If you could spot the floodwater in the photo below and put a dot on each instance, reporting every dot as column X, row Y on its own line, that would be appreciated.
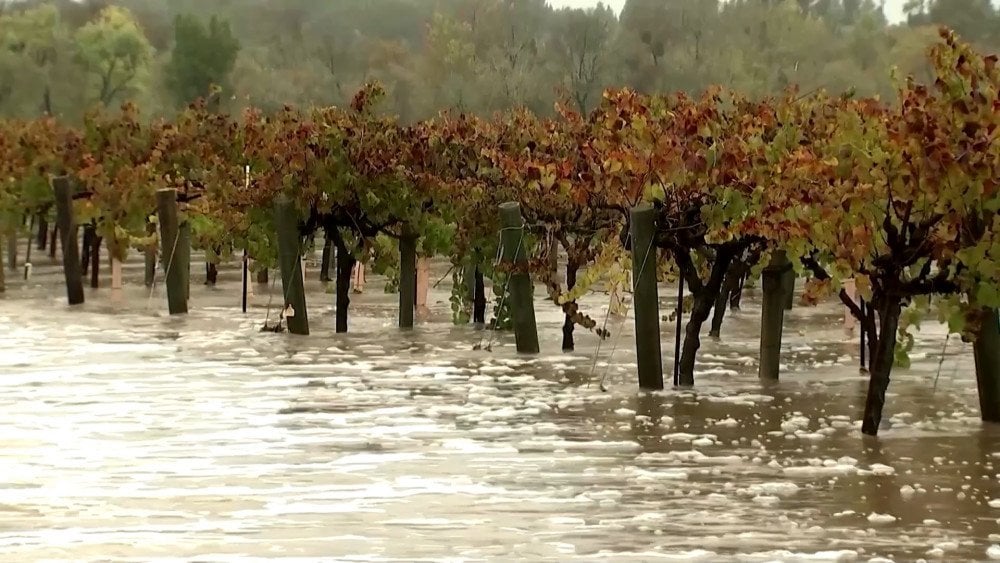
column 132, row 436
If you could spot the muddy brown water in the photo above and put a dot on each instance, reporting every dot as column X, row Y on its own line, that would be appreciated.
column 132, row 436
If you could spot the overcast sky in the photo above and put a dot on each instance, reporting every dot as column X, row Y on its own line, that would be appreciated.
column 893, row 8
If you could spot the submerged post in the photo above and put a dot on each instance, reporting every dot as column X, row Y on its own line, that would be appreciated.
column 63, row 189
column 286, row 221
column 790, row 279
column 987, row 354
column 774, row 286
column 150, row 252
column 520, row 289
column 183, row 256
column 246, row 278
column 646, row 298
column 176, row 280
column 407, row 278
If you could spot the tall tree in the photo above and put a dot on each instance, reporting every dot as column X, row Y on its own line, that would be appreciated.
column 202, row 57
column 583, row 48
column 115, row 53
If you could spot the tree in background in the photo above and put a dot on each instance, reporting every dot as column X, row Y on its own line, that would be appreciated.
column 115, row 54
column 202, row 57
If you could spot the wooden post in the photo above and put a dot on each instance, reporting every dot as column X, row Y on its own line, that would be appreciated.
column 774, row 285
column 116, row 273
column 183, row 257
column 358, row 277
column 149, row 276
column 987, row 353
column 286, row 221
column 63, row 189
column 407, row 278
column 790, row 279
column 245, row 278
column 520, row 288
column 849, row 321
column 52, row 241
column 95, row 261
column 679, row 329
column 166, row 204
column 646, row 298
column 423, row 286
column 27, row 252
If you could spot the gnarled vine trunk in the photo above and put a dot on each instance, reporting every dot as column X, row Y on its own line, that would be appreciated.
column 345, row 266
column 324, row 267
column 705, row 296
column 568, row 345
column 479, row 298
column 889, row 311
column 43, row 232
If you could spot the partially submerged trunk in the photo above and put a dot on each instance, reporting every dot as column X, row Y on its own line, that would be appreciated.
column 89, row 233
column 54, row 241
column 731, row 288
column 324, row 268
column 479, row 298
column 95, row 261
column 568, row 345
column 705, row 295
column 882, row 360
column 43, row 232
column 345, row 267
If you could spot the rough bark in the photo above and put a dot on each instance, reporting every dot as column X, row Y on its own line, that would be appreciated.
column 568, row 344
column 345, row 266
column 882, row 361
column 479, row 298
column 705, row 295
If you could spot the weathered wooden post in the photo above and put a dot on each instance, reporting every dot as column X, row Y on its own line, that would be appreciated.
column 520, row 288
column 176, row 280
column 987, row 354
column 116, row 273
column 52, row 241
column 407, row 277
column 150, row 273
column 423, row 286
column 286, row 222
column 790, row 279
column 245, row 270
column 63, row 189
column 95, row 261
column 646, row 301
column 775, row 298
column 183, row 256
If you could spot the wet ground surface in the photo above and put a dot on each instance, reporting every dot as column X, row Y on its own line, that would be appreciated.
column 129, row 435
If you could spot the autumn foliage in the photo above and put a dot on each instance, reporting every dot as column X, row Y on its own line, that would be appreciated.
column 902, row 198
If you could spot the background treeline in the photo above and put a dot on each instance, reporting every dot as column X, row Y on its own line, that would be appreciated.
column 65, row 57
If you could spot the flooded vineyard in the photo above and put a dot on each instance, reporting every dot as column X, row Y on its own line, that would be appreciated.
column 133, row 436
